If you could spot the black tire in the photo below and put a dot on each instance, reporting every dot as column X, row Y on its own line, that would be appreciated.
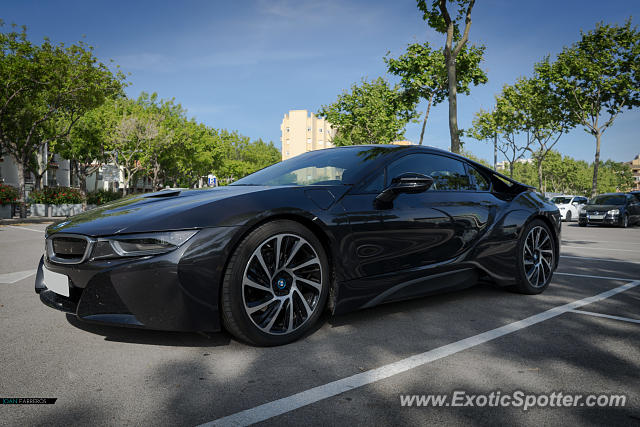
column 625, row 221
column 582, row 224
column 523, row 284
column 568, row 216
column 235, row 316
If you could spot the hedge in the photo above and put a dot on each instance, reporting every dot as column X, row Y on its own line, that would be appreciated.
column 8, row 194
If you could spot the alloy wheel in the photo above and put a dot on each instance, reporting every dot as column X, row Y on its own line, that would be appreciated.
column 537, row 256
column 282, row 283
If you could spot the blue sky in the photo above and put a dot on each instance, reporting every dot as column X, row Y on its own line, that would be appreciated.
column 241, row 65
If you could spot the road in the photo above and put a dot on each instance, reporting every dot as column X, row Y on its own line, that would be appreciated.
column 353, row 368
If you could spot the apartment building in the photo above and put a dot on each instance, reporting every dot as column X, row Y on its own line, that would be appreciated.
column 635, row 170
column 302, row 131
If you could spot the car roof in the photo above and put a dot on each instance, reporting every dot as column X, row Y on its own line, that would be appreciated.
column 433, row 150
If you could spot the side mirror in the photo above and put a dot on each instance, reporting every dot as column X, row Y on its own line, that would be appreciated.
column 410, row 183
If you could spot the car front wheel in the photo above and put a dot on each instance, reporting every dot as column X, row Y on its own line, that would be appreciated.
column 536, row 258
column 276, row 284
column 625, row 221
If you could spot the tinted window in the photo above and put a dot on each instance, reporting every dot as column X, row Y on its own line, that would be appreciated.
column 377, row 183
column 323, row 167
column 561, row 200
column 447, row 173
column 479, row 181
column 613, row 199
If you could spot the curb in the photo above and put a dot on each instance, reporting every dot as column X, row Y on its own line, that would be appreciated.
column 31, row 220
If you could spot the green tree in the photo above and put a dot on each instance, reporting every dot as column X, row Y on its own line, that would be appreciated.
column 470, row 155
column 596, row 78
column 242, row 156
column 85, row 143
column 159, row 152
column 371, row 113
column 134, row 131
column 503, row 125
column 538, row 114
column 42, row 86
column 436, row 14
column 423, row 73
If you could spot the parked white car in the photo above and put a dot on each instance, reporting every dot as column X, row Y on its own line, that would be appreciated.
column 569, row 206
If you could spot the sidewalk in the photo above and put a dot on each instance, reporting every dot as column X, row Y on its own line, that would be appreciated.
column 31, row 220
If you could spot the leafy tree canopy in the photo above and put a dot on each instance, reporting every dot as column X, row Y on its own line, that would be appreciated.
column 373, row 112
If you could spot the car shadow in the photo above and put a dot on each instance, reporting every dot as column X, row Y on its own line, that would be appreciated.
column 150, row 337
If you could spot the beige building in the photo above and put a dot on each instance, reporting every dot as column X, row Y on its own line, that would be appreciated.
column 635, row 169
column 302, row 131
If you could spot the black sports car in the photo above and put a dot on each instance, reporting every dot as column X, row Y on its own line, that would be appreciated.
column 337, row 229
column 618, row 209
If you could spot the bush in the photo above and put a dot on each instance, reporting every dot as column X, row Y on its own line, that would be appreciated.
column 101, row 197
column 56, row 196
column 8, row 194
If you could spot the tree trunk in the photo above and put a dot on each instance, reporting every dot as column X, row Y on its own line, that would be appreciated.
column 22, row 178
column 495, row 152
column 82, row 180
column 596, row 163
column 453, row 107
column 426, row 116
column 125, row 183
column 511, row 169
column 540, row 176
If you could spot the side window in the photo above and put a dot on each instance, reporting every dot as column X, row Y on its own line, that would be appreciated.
column 377, row 183
column 478, row 180
column 448, row 174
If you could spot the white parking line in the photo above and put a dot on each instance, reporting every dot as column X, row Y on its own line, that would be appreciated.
column 25, row 228
column 606, row 316
column 296, row 401
column 9, row 278
column 593, row 277
column 600, row 249
column 603, row 241
column 599, row 259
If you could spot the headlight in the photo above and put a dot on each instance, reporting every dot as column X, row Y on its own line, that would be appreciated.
column 613, row 212
column 140, row 244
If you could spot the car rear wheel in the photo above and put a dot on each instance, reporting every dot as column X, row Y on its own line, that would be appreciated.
column 568, row 216
column 276, row 284
column 536, row 258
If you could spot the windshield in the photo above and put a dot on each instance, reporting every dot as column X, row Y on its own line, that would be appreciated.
column 614, row 199
column 333, row 166
column 561, row 200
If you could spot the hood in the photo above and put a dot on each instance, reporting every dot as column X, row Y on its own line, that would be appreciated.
column 163, row 210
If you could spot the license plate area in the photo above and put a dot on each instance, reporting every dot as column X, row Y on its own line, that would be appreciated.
column 56, row 282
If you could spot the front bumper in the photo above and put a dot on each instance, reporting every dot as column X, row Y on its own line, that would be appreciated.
column 177, row 291
column 607, row 220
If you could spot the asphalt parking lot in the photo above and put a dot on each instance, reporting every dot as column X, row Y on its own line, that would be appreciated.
column 353, row 368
